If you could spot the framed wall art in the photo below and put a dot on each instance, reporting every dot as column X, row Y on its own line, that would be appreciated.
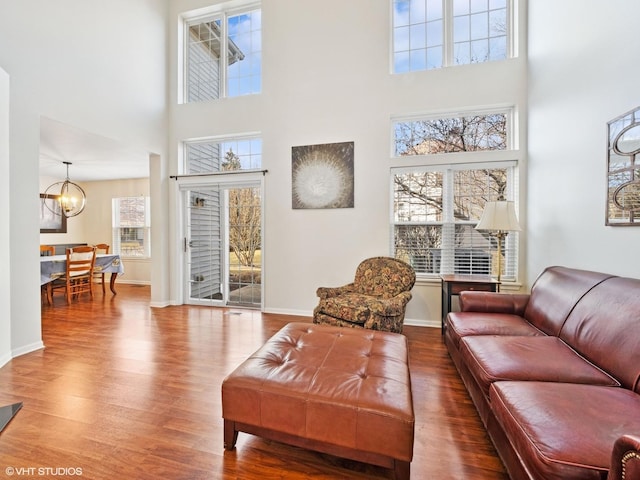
column 51, row 218
column 322, row 176
column 623, row 169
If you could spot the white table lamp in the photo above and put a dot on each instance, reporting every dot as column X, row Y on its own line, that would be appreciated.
column 499, row 218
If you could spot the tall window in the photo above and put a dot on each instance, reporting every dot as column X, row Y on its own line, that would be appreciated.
column 435, row 210
column 436, row 207
column 431, row 34
column 223, row 55
column 131, row 226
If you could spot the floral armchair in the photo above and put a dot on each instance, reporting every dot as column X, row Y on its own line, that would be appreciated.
column 376, row 299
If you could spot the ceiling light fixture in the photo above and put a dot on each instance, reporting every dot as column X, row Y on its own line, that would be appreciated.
column 70, row 196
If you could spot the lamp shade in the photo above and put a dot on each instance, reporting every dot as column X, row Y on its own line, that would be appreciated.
column 499, row 216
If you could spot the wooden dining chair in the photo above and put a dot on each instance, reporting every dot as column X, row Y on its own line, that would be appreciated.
column 78, row 276
column 47, row 250
column 97, row 271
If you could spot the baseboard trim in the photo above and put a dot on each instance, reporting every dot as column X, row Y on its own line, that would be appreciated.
column 422, row 323
column 27, row 349
column 162, row 304
column 5, row 359
column 284, row 311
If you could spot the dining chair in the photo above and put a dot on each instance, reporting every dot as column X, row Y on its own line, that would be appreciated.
column 78, row 276
column 97, row 270
column 47, row 250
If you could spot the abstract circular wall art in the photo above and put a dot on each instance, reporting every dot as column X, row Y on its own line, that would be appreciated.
column 322, row 176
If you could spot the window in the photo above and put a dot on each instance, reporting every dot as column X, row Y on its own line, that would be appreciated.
column 436, row 207
column 431, row 34
column 131, row 226
column 474, row 132
column 223, row 55
column 220, row 155
column 435, row 210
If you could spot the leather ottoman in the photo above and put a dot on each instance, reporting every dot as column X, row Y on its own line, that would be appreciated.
column 341, row 391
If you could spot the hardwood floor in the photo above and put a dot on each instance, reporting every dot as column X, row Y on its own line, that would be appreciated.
column 125, row 391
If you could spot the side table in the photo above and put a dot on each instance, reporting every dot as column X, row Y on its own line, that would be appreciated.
column 454, row 284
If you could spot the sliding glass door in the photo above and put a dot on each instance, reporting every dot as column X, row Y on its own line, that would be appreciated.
column 223, row 243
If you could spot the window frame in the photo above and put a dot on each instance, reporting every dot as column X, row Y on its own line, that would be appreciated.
column 222, row 12
column 448, row 41
column 508, row 111
column 116, row 228
column 449, row 224
column 221, row 140
column 503, row 158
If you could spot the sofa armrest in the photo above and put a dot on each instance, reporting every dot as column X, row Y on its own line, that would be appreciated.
column 625, row 458
column 328, row 292
column 490, row 302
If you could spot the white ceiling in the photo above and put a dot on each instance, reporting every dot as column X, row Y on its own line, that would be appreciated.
column 92, row 156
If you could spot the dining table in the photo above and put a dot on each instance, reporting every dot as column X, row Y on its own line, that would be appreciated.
column 52, row 266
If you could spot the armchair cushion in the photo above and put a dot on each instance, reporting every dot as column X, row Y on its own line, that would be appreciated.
column 352, row 307
column 357, row 308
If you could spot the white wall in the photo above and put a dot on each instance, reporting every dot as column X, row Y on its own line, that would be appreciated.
column 97, row 221
column 5, row 297
column 96, row 65
column 326, row 79
column 583, row 72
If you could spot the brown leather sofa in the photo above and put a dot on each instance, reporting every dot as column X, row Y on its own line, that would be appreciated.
column 555, row 374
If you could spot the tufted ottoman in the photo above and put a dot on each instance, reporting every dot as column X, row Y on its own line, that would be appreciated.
column 341, row 391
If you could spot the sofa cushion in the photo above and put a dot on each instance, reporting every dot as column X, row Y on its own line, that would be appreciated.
column 554, row 294
column 564, row 431
column 493, row 358
column 603, row 327
column 462, row 324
